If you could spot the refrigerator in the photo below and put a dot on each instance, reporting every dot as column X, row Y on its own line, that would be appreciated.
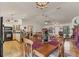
column 1, row 36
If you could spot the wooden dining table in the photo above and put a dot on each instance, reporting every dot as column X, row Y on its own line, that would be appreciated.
column 45, row 50
column 42, row 51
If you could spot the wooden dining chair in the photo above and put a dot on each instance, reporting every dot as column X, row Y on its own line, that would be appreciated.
column 28, row 44
column 61, row 47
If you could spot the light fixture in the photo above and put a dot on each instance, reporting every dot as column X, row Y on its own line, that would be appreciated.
column 41, row 5
column 46, row 23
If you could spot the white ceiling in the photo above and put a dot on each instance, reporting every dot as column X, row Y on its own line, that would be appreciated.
column 62, row 12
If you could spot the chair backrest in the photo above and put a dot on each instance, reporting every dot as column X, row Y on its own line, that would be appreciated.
column 61, row 47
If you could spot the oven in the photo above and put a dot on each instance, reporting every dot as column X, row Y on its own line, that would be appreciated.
column 8, row 33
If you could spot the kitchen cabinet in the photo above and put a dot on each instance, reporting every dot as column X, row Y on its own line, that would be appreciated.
column 16, row 32
column 16, row 36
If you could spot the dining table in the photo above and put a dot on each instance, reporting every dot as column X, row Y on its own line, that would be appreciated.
column 41, row 49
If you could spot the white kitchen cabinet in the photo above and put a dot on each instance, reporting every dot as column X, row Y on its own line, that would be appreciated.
column 16, row 36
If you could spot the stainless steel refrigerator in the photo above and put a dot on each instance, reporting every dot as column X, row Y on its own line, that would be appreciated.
column 1, row 36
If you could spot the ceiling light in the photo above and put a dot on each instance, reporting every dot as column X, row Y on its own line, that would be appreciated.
column 41, row 5
column 58, row 8
column 46, row 23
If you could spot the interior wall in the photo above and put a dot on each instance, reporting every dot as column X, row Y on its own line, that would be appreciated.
column 12, row 22
column 57, row 27
column 36, row 27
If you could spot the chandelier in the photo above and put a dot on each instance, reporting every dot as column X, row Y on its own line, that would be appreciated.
column 41, row 5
